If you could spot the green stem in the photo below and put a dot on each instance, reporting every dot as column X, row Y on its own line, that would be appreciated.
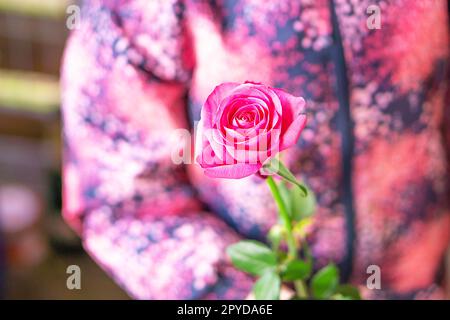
column 284, row 215
column 301, row 289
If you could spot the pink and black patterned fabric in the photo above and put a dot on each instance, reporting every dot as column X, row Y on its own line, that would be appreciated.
column 374, row 150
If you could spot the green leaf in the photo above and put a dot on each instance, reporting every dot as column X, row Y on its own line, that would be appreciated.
column 267, row 287
column 281, row 255
column 285, row 196
column 348, row 292
column 297, row 269
column 277, row 167
column 325, row 282
column 275, row 235
column 252, row 256
column 302, row 206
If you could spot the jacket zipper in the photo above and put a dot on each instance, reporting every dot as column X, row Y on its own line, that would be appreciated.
column 345, row 126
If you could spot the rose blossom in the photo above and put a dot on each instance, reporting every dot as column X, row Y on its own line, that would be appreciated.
column 243, row 125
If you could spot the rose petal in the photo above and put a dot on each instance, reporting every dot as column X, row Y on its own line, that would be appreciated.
column 272, row 96
column 293, row 119
column 292, row 134
column 296, row 104
column 235, row 171
column 211, row 106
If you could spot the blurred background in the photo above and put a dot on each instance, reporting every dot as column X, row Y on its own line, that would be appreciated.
column 37, row 246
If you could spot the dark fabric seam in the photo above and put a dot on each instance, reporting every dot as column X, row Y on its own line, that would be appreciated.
column 345, row 126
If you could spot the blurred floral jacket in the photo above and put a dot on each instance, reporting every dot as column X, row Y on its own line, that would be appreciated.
column 373, row 151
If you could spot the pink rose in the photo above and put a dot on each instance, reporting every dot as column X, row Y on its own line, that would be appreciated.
column 243, row 125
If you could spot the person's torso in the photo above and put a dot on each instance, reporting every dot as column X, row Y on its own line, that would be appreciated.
column 372, row 150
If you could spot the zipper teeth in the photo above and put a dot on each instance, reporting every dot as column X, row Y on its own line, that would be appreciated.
column 345, row 126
